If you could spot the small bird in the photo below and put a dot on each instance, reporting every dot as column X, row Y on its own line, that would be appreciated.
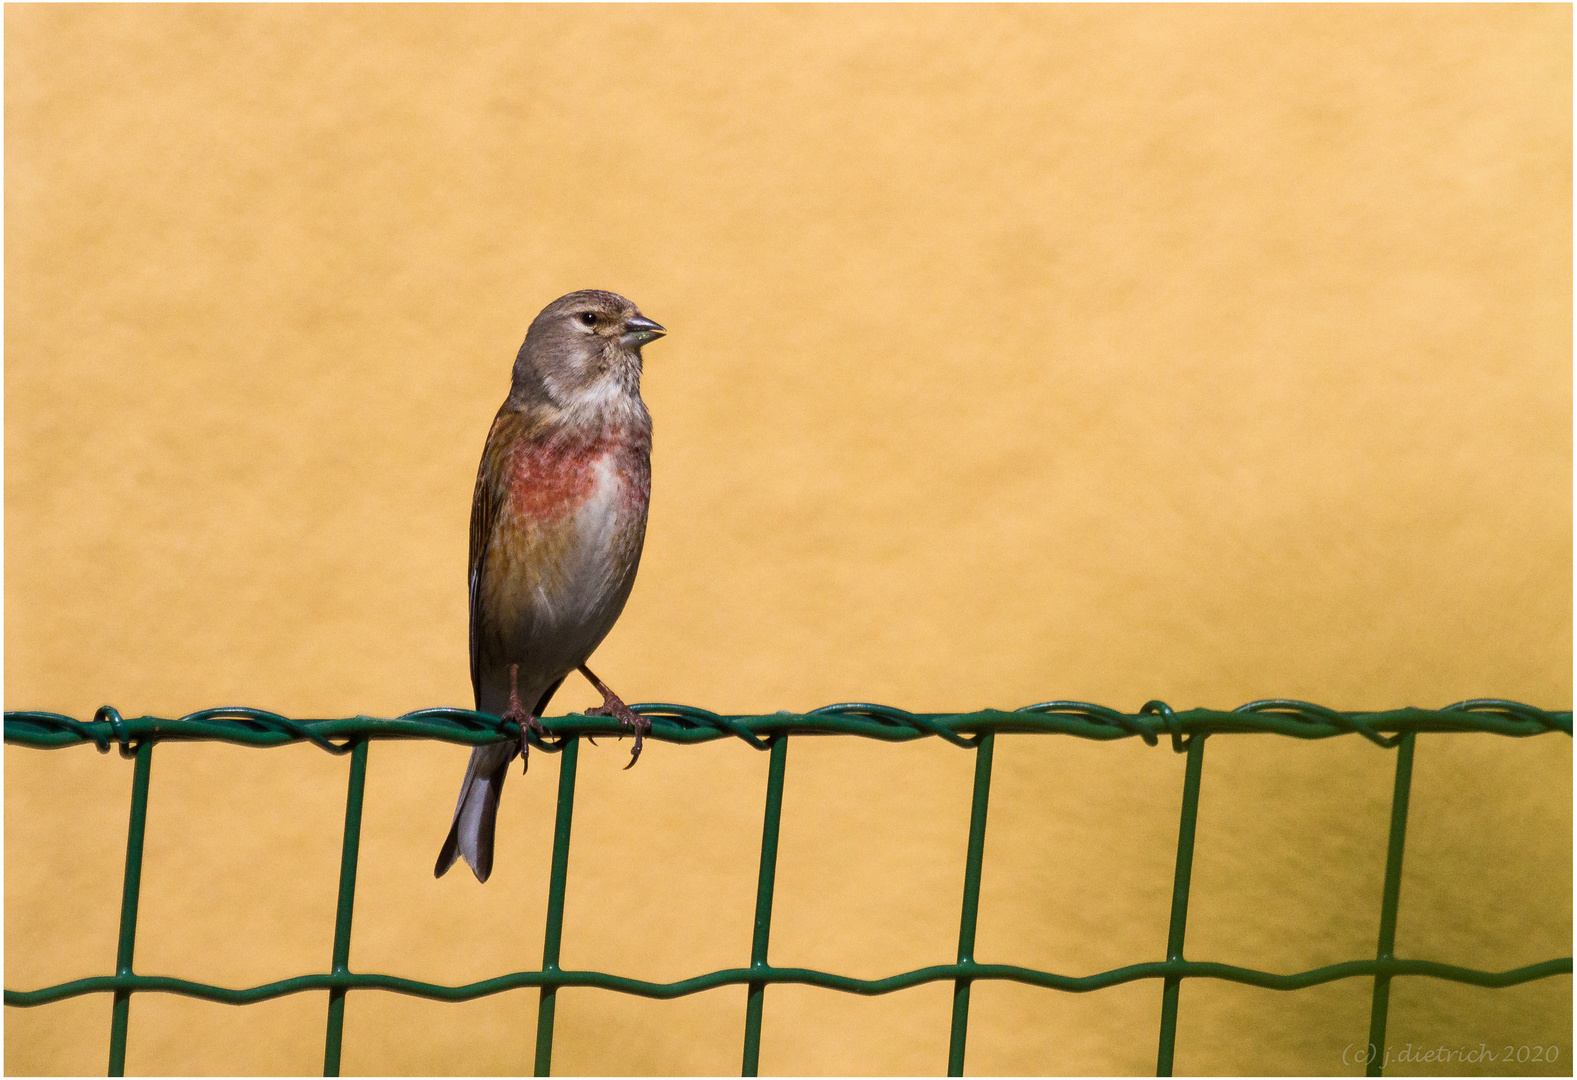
column 557, row 524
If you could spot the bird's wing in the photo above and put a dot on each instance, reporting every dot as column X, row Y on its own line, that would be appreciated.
column 492, row 480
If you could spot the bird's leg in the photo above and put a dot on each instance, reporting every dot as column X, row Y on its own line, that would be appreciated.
column 517, row 712
column 628, row 717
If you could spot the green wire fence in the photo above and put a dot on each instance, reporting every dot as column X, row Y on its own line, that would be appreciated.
column 1396, row 729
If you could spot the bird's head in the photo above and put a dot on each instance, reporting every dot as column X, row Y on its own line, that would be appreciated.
column 584, row 352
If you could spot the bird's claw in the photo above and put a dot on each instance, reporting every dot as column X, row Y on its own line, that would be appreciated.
column 642, row 727
column 629, row 720
column 613, row 706
column 529, row 725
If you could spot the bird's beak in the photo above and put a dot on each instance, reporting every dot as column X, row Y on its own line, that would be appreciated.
column 639, row 330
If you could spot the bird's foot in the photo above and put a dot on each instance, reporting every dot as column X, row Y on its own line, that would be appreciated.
column 519, row 715
column 629, row 719
column 528, row 723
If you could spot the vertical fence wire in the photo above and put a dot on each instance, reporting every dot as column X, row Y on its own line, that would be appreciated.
column 131, row 891
column 347, row 899
column 764, row 886
column 1185, row 870
column 971, row 907
column 556, row 879
column 1388, row 903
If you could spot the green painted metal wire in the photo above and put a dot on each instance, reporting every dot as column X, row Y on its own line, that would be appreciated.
column 555, row 928
column 971, row 907
column 349, row 855
column 1186, row 732
column 744, row 976
column 121, row 1011
column 1171, row 988
column 686, row 724
column 1381, row 1002
column 771, row 818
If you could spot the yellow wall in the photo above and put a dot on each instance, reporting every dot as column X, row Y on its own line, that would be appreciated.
column 1205, row 354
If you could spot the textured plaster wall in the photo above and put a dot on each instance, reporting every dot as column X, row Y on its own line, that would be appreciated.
column 1206, row 354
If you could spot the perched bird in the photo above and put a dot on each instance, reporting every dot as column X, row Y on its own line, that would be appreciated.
column 557, row 524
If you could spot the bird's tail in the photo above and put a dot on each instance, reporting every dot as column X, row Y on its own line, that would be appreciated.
column 471, row 834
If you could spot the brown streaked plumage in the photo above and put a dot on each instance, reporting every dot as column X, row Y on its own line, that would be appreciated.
column 557, row 523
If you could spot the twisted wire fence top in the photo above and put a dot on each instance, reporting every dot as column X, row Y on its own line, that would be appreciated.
column 688, row 724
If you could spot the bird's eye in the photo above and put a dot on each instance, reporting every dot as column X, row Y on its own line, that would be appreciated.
column 588, row 318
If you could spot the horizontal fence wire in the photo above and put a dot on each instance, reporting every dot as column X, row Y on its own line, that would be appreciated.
column 1185, row 969
column 687, row 724
column 1185, row 731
